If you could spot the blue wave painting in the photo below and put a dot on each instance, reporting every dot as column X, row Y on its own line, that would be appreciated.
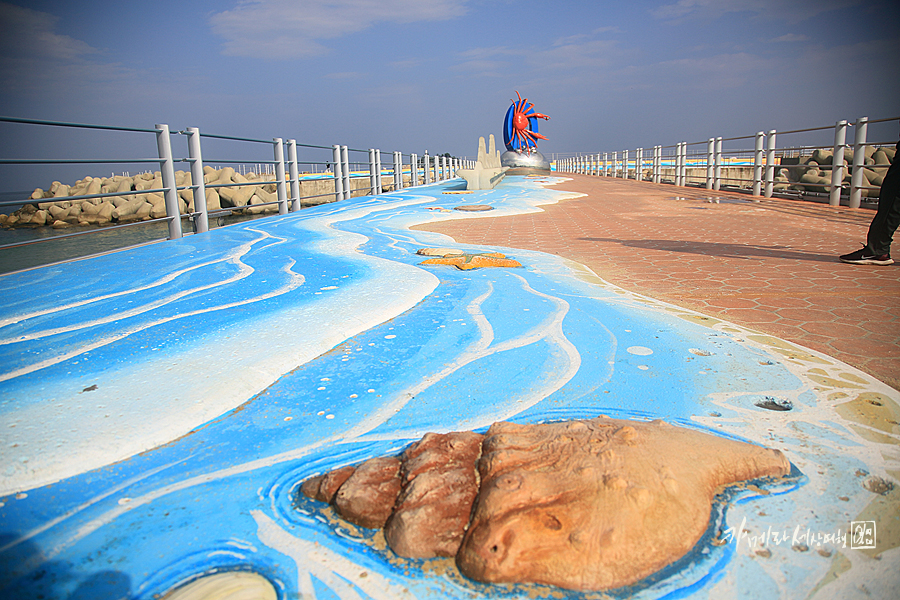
column 160, row 406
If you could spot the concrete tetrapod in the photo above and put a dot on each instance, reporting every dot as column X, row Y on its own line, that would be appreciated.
column 583, row 505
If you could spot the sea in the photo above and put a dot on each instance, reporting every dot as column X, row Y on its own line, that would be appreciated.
column 36, row 246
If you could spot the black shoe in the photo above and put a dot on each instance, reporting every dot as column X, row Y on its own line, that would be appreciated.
column 867, row 257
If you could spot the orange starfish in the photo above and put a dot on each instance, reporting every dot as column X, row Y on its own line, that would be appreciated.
column 466, row 261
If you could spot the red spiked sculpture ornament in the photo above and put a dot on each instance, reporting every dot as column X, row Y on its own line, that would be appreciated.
column 520, row 127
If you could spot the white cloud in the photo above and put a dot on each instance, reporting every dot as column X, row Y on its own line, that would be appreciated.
column 792, row 11
column 275, row 29
column 30, row 33
column 791, row 37
column 564, row 55
column 36, row 59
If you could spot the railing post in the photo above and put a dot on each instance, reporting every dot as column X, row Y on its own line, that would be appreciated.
column 295, row 175
column 201, row 217
column 757, row 162
column 426, row 172
column 639, row 164
column 379, row 183
column 770, row 163
column 167, row 171
column 717, row 176
column 657, row 152
column 398, row 174
column 280, row 185
column 338, row 176
column 373, row 179
column 710, row 162
column 678, row 163
column 413, row 170
column 837, row 162
column 859, row 159
column 345, row 171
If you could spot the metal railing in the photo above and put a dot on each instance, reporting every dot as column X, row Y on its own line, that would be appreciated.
column 770, row 169
column 404, row 170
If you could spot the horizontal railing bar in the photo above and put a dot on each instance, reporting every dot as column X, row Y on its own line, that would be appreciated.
column 223, row 185
column 209, row 161
column 229, row 137
column 68, row 161
column 312, row 146
column 79, row 125
column 870, row 121
column 831, row 127
column 89, row 196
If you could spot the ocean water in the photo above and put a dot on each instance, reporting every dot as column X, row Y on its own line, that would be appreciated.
column 159, row 418
column 46, row 245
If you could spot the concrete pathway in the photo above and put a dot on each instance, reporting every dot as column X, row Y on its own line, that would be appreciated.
column 769, row 265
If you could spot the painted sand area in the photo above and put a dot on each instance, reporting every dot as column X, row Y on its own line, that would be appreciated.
column 161, row 407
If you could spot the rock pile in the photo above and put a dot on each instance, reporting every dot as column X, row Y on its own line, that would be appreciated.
column 814, row 172
column 50, row 206
column 583, row 505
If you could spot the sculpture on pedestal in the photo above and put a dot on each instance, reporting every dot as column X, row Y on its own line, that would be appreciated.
column 520, row 134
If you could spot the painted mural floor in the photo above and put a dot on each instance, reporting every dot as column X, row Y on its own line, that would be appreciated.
column 161, row 406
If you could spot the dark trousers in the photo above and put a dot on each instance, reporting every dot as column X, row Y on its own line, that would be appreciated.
column 881, row 231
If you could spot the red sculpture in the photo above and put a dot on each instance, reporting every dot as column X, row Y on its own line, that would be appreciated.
column 520, row 131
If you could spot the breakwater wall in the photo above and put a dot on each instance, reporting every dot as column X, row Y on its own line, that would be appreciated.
column 249, row 193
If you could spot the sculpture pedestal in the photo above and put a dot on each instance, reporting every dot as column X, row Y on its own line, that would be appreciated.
column 534, row 160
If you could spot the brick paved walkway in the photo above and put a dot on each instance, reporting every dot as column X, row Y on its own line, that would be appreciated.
column 769, row 265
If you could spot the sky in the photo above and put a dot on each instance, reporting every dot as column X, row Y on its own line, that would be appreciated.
column 412, row 75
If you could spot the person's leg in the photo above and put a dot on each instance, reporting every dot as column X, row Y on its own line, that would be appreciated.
column 881, row 231
column 883, row 226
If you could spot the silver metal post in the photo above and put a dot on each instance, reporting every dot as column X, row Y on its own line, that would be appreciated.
column 280, row 184
column 426, row 163
column 837, row 162
column 379, row 183
column 397, row 173
column 373, row 179
column 198, row 186
column 717, row 177
column 658, row 176
column 859, row 159
column 757, row 162
column 338, row 176
column 295, row 175
column 710, row 162
column 345, row 171
column 167, row 170
column 413, row 170
column 770, row 163
column 678, row 163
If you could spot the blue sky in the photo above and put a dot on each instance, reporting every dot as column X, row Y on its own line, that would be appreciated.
column 412, row 75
